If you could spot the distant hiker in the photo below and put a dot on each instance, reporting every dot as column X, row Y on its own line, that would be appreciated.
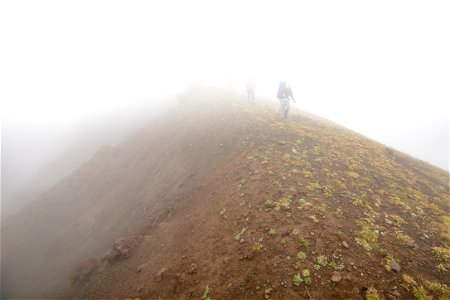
column 251, row 91
column 284, row 94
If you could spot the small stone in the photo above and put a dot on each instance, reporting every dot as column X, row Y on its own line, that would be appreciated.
column 193, row 268
column 336, row 277
column 344, row 243
column 396, row 294
column 160, row 275
column 122, row 246
column 395, row 267
column 411, row 244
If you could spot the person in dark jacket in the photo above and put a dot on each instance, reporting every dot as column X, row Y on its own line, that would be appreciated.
column 285, row 94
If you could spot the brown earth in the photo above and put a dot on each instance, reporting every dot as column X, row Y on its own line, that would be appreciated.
column 227, row 198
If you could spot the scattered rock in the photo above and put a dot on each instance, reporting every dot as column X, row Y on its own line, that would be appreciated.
column 344, row 243
column 123, row 246
column 179, row 277
column 111, row 255
column 193, row 268
column 411, row 244
column 160, row 275
column 396, row 294
column 395, row 267
column 336, row 277
column 249, row 256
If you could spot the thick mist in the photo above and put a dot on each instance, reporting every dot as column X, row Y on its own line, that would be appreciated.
column 75, row 76
column 380, row 69
column 38, row 153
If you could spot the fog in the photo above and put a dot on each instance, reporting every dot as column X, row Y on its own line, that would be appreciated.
column 77, row 75
column 38, row 153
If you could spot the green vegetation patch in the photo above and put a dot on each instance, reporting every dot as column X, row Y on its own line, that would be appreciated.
column 440, row 290
column 399, row 220
column 277, row 205
column 322, row 260
column 441, row 253
column 238, row 236
column 320, row 208
column 301, row 255
column 418, row 291
column 314, row 219
column 372, row 294
column 303, row 204
column 367, row 235
column 400, row 235
column 267, row 293
column 304, row 277
column 303, row 242
column 258, row 247
column 206, row 294
column 314, row 186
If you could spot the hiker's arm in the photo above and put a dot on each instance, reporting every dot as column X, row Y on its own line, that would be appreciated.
column 292, row 96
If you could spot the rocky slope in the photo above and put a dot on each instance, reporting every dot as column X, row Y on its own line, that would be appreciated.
column 221, row 200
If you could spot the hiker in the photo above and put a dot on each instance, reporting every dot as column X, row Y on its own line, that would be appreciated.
column 284, row 94
column 251, row 91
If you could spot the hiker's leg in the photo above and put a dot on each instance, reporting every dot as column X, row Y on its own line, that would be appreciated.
column 281, row 108
column 288, row 106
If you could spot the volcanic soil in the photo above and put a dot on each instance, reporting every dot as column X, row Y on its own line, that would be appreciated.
column 291, row 209
column 221, row 199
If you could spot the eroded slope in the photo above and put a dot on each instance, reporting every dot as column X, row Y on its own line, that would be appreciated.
column 296, row 209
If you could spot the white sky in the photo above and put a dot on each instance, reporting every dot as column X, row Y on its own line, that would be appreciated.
column 381, row 68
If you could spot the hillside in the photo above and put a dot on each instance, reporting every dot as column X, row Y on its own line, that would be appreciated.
column 221, row 200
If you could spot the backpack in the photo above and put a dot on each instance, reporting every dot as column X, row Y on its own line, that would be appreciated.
column 283, row 90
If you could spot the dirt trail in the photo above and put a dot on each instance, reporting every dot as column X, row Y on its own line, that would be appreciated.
column 229, row 201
